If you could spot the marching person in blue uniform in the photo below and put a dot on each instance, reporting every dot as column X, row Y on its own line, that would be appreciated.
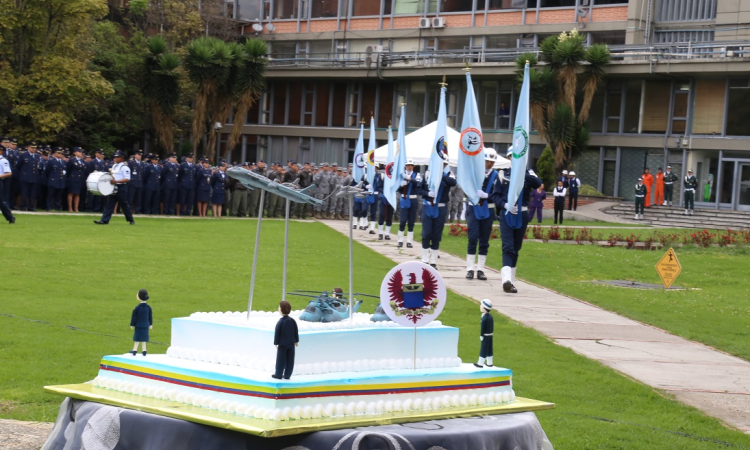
column 479, row 219
column 218, row 188
column 640, row 196
column 203, row 186
column 142, row 320
column 76, row 179
column 385, row 215
column 55, row 173
column 28, row 167
column 135, row 187
column 187, row 186
column 151, row 185
column 486, row 330
column 285, row 338
column 434, row 211
column 169, row 184
column 120, row 178
column 408, row 200
column 372, row 199
column 5, row 174
column 512, row 237
column 7, row 181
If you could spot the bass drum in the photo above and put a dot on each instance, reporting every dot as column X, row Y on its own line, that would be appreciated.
column 98, row 183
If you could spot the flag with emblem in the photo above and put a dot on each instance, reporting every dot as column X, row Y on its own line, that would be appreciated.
column 359, row 155
column 470, row 169
column 439, row 153
column 519, row 153
column 389, row 187
column 371, row 154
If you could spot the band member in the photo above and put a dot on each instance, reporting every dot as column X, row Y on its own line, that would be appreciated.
column 218, row 182
column 76, row 178
column 479, row 219
column 434, row 214
column 407, row 196
column 120, row 179
column 385, row 215
column 512, row 237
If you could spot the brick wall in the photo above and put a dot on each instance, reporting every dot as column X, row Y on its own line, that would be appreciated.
column 288, row 27
column 503, row 18
column 406, row 22
column 549, row 202
column 557, row 16
column 317, row 26
column 364, row 24
column 458, row 21
column 609, row 14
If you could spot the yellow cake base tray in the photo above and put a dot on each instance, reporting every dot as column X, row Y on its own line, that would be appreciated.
column 267, row 428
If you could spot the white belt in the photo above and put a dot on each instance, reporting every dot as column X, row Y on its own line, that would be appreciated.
column 489, row 205
column 640, row 196
column 669, row 182
column 410, row 196
column 524, row 208
column 488, row 334
column 690, row 189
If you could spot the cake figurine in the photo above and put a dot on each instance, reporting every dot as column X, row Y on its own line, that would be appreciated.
column 141, row 321
column 485, row 334
column 285, row 339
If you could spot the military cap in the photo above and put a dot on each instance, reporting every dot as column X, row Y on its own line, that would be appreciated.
column 245, row 164
column 5, row 139
column 325, row 164
column 669, row 167
column 294, row 162
column 189, row 155
column 118, row 154
column 276, row 163
column 138, row 152
column 339, row 169
column 32, row 144
column 172, row 155
column 153, row 156
column 99, row 151
column 234, row 163
column 14, row 140
column 334, row 165
column 261, row 161
column 66, row 152
column 204, row 159
column 659, row 168
column 640, row 179
column 45, row 152
column 690, row 170
column 57, row 150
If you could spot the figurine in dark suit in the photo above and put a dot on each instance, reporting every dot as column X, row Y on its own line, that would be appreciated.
column 485, row 334
column 141, row 321
column 285, row 339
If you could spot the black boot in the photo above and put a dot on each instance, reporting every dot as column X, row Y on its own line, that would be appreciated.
column 380, row 237
column 133, row 352
column 469, row 274
column 478, row 365
column 508, row 286
column 144, row 353
column 480, row 275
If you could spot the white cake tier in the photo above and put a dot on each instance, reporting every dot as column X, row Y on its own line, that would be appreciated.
column 348, row 346
column 255, row 394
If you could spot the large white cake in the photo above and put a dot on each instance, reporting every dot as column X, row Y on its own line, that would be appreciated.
column 224, row 361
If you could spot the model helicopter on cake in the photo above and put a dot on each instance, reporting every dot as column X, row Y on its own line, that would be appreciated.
column 325, row 307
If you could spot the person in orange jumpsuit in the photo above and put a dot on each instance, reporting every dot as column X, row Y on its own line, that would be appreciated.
column 659, row 188
column 648, row 180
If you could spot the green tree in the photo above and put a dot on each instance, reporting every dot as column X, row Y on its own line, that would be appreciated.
column 554, row 88
column 161, row 86
column 545, row 168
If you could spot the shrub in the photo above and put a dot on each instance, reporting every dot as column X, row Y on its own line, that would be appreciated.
column 584, row 235
column 569, row 234
column 631, row 240
column 702, row 238
column 458, row 230
column 537, row 232
column 545, row 168
column 553, row 234
column 587, row 189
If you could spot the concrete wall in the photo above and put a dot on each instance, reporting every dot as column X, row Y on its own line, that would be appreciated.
column 734, row 17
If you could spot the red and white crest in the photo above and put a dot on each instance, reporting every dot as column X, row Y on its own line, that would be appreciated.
column 413, row 294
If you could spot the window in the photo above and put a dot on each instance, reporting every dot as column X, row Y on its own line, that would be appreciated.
column 248, row 9
column 506, row 4
column 709, row 106
column 632, row 116
column 321, row 104
column 385, row 108
column 366, row 7
column 308, row 104
column 614, row 104
column 369, row 93
column 486, row 94
column 738, row 108
column 325, row 8
column 284, row 9
column 339, row 104
column 685, row 10
column 354, row 99
column 457, row 43
column 596, row 113
column 415, row 104
column 449, row 6
column 279, row 102
column 409, row 7
column 608, row 37
column 656, row 107
column 680, row 106
column 283, row 50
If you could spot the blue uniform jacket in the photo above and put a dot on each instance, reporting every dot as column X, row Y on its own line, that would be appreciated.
column 286, row 332
column 202, row 179
column 378, row 184
column 499, row 195
column 447, row 183
column 404, row 190
column 187, row 176
column 488, row 325
column 141, row 317
column 43, row 171
column 136, row 173
column 77, row 170
column 169, row 175
column 152, row 177
column 217, row 181
column 55, row 173
column 28, row 167
column 99, row 165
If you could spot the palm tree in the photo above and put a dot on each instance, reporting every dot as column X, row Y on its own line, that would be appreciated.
column 161, row 86
column 250, row 84
column 567, row 57
column 597, row 56
column 223, row 101
column 208, row 63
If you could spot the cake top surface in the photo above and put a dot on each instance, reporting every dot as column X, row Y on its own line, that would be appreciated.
column 266, row 320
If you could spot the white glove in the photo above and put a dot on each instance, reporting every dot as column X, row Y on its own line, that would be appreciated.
column 404, row 183
column 375, row 193
column 531, row 172
column 418, row 179
column 481, row 194
column 481, row 338
column 431, row 194
column 367, row 187
column 511, row 209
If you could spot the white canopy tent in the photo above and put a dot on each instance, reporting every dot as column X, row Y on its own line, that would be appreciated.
column 419, row 147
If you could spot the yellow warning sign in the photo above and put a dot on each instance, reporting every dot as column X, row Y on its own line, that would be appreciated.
column 668, row 268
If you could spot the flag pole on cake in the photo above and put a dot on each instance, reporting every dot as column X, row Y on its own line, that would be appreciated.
column 359, row 173
column 255, row 251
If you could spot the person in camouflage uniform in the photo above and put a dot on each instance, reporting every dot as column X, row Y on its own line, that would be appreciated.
column 337, row 178
column 305, row 177
column 321, row 189
column 275, row 203
column 253, row 197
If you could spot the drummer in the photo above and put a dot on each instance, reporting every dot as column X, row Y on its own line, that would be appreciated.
column 120, row 178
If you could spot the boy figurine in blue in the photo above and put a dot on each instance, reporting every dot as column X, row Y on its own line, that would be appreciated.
column 485, row 334
column 285, row 339
column 141, row 321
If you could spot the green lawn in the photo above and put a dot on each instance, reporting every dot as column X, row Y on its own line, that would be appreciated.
column 714, row 311
column 69, row 287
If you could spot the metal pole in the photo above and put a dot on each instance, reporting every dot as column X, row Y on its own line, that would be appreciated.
column 286, row 249
column 351, row 258
column 415, row 348
column 255, row 252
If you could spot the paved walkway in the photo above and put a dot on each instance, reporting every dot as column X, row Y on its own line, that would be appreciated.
column 712, row 381
column 595, row 211
column 17, row 435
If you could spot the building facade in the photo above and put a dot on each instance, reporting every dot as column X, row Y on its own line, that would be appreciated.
column 677, row 91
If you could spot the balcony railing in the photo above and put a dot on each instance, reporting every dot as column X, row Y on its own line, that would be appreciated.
column 654, row 53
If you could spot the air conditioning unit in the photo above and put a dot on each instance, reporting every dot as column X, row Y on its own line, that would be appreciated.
column 374, row 49
column 341, row 47
column 424, row 22
column 438, row 22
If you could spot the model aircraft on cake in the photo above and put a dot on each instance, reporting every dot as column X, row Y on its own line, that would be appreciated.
column 290, row 191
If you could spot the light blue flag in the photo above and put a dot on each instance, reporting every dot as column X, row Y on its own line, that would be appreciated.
column 519, row 153
column 359, row 156
column 389, row 187
column 439, row 154
column 400, row 164
column 370, row 159
column 470, row 168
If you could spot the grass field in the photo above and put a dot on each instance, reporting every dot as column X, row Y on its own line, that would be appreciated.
column 69, row 288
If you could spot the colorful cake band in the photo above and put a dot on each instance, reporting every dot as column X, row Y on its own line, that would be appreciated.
column 272, row 392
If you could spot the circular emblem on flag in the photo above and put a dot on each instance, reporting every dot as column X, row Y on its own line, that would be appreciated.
column 413, row 294
column 441, row 147
column 520, row 142
column 471, row 141
column 371, row 157
column 359, row 160
column 389, row 170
